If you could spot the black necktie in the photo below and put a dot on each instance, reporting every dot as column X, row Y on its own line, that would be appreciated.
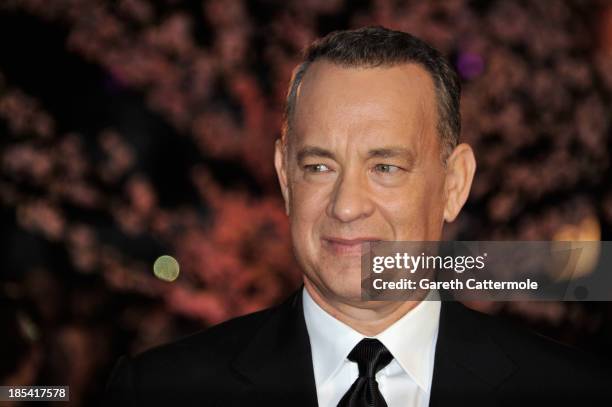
column 371, row 356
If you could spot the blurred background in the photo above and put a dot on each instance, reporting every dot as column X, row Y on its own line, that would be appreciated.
column 132, row 129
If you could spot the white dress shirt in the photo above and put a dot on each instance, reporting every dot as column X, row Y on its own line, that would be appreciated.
column 406, row 381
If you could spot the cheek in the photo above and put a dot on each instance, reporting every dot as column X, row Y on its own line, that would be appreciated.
column 414, row 210
column 308, row 207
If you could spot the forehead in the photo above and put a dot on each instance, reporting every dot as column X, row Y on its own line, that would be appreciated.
column 336, row 99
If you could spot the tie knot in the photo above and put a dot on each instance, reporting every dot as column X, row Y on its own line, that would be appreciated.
column 371, row 356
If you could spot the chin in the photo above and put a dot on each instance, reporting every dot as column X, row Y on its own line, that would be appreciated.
column 341, row 279
column 347, row 289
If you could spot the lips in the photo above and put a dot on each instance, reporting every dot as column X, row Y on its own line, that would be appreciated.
column 343, row 246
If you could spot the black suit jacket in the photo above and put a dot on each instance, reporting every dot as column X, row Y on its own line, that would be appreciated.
column 264, row 359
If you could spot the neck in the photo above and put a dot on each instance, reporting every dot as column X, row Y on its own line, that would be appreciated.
column 366, row 317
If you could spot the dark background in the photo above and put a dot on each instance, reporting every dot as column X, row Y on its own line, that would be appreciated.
column 132, row 129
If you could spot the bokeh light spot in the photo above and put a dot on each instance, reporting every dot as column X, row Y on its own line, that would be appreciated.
column 166, row 268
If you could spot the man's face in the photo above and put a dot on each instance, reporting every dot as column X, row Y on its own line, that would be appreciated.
column 363, row 162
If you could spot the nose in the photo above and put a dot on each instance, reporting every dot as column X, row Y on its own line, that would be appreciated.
column 351, row 199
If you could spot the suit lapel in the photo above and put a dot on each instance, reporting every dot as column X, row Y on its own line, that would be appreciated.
column 277, row 362
column 469, row 365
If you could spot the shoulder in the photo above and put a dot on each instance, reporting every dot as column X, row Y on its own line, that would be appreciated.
column 185, row 365
column 216, row 342
column 215, row 345
column 538, row 360
column 525, row 344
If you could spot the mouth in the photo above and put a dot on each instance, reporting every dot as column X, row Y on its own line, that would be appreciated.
column 346, row 247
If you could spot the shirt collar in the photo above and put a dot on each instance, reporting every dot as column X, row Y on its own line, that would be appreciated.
column 330, row 339
column 411, row 340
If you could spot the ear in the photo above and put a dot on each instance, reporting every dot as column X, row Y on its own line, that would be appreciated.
column 280, row 161
column 460, row 169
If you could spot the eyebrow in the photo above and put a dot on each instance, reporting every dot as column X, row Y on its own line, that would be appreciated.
column 383, row 152
column 312, row 151
column 390, row 152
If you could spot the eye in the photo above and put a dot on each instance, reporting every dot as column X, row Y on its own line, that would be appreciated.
column 387, row 168
column 316, row 168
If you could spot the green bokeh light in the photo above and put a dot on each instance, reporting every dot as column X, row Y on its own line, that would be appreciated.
column 166, row 268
